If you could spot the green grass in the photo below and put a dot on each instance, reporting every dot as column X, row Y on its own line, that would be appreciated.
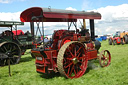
column 25, row 73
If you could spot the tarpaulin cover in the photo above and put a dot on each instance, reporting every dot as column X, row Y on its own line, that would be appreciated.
column 19, row 32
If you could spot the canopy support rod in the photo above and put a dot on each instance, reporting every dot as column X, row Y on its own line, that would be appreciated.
column 32, row 28
column 92, row 29
column 84, row 23
column 43, row 35
column 75, row 24
column 11, row 33
column 38, row 28
column 69, row 25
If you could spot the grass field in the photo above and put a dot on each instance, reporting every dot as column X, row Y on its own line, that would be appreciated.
column 25, row 73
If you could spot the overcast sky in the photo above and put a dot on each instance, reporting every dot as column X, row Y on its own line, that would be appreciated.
column 114, row 13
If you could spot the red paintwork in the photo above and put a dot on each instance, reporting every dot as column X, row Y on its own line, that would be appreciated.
column 67, row 41
column 19, row 32
column 92, row 54
column 81, row 55
column 60, row 37
column 118, row 39
column 55, row 15
column 49, row 62
column 91, row 51
column 35, row 44
column 106, row 55
column 40, row 65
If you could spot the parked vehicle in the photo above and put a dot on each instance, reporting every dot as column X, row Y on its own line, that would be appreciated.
column 116, row 39
column 124, row 36
column 69, row 51
column 13, row 42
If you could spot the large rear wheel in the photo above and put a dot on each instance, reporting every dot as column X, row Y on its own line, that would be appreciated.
column 72, row 60
column 13, row 52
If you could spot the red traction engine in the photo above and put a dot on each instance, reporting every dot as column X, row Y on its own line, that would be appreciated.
column 69, row 51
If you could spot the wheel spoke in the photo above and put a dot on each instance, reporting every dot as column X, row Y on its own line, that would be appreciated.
column 69, row 58
column 68, row 70
column 11, row 61
column 102, row 57
column 75, row 72
column 71, row 53
column 78, row 50
column 10, row 48
column 104, row 62
column 13, row 53
column 72, row 70
column 77, row 66
column 75, row 51
column 78, row 56
column 68, row 65
column 5, row 48
column 14, row 48
column 2, row 49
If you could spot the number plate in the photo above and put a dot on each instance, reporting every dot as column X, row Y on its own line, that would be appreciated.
column 39, row 58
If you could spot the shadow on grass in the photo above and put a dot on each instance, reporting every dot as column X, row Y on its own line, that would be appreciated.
column 26, row 59
column 92, row 65
column 50, row 76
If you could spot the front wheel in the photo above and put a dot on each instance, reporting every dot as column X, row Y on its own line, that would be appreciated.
column 105, row 58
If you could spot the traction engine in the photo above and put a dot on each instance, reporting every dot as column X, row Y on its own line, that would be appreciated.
column 69, row 51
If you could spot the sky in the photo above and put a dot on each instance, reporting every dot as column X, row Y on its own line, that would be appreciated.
column 114, row 13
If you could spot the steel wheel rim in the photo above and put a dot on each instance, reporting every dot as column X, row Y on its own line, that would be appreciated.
column 74, row 61
column 12, row 50
column 105, row 58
